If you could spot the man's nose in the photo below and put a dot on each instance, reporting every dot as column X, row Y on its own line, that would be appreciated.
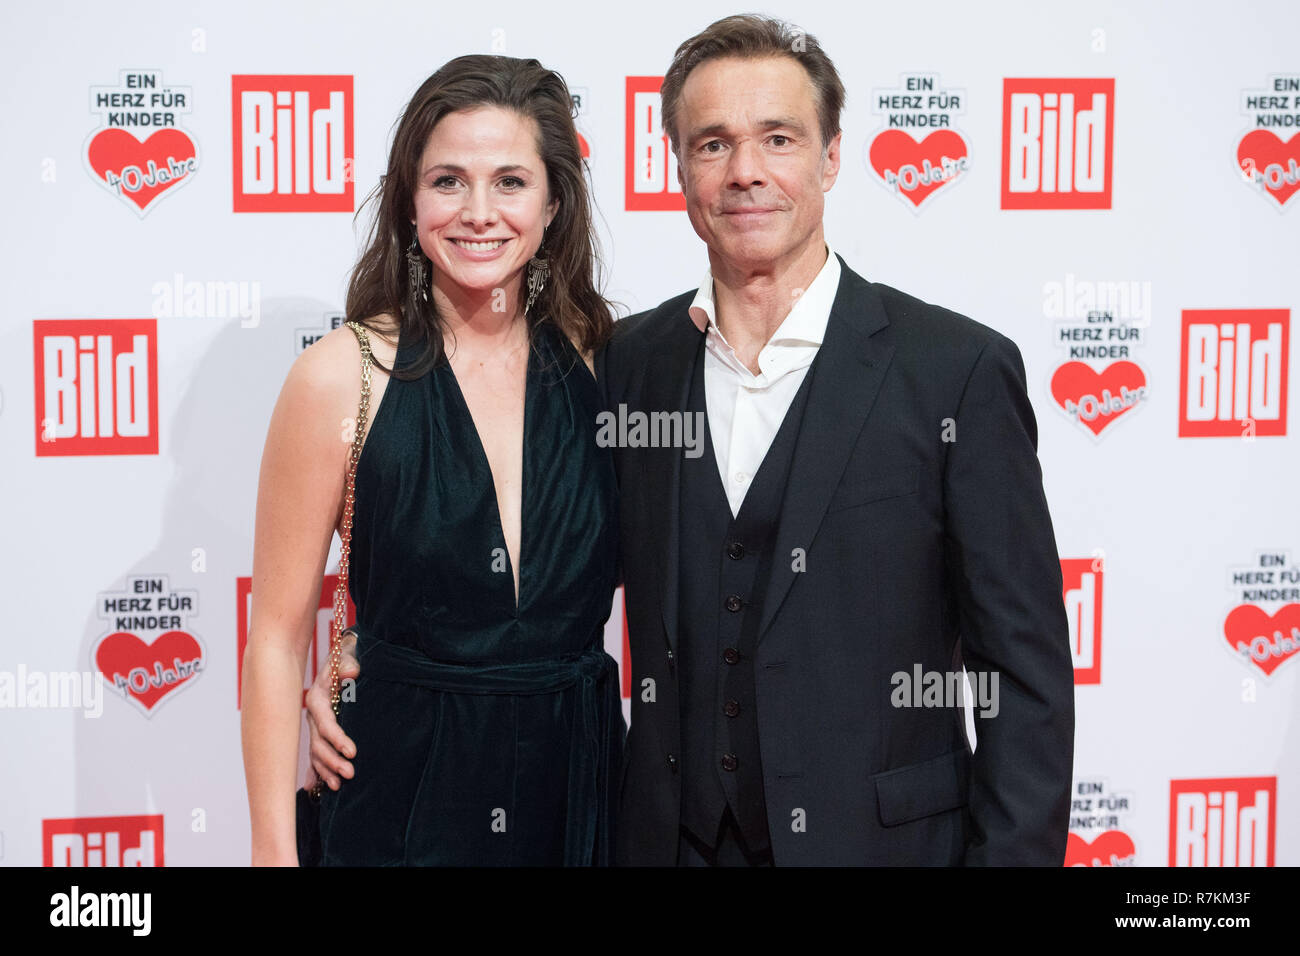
column 746, row 168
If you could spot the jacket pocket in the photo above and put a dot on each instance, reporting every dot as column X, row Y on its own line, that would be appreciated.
column 854, row 493
column 921, row 789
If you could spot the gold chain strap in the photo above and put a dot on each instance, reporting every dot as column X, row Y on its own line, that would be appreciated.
column 341, row 591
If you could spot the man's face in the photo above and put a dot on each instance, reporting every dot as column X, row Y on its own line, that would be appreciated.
column 751, row 161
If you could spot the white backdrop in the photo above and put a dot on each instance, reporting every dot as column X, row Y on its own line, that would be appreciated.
column 1188, row 187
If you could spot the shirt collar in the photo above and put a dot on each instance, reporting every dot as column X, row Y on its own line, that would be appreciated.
column 807, row 319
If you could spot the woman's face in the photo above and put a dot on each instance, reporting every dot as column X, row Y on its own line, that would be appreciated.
column 481, row 200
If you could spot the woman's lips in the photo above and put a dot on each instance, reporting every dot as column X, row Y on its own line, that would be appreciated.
column 485, row 249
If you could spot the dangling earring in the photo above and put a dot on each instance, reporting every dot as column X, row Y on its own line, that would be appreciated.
column 539, row 270
column 416, row 281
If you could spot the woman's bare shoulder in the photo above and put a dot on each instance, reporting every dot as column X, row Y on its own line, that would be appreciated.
column 326, row 377
column 336, row 356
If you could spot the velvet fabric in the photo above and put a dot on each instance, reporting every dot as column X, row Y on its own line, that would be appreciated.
column 487, row 733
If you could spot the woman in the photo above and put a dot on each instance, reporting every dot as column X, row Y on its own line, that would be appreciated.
column 487, row 721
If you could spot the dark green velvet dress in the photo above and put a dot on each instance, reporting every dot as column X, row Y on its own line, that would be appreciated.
column 486, row 734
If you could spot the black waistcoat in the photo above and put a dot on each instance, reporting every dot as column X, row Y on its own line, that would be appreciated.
column 725, row 565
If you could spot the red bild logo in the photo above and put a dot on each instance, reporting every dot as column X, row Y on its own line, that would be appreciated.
column 292, row 143
column 1057, row 138
column 651, row 176
column 1233, row 380
column 1228, row 821
column 103, row 841
column 1081, row 582
column 96, row 386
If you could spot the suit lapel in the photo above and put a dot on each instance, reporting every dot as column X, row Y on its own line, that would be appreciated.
column 667, row 389
column 850, row 366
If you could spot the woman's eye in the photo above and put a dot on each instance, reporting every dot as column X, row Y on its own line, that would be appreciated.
column 442, row 181
column 512, row 182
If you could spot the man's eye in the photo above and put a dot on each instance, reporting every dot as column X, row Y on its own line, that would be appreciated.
column 712, row 142
column 784, row 140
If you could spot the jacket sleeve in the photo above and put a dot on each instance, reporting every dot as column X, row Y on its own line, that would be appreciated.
column 1002, row 559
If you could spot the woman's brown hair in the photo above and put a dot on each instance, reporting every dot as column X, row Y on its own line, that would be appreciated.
column 570, row 298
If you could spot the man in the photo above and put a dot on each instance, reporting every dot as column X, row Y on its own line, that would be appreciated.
column 868, row 510
column 873, row 502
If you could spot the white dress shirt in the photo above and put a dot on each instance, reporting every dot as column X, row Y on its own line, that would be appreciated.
column 746, row 410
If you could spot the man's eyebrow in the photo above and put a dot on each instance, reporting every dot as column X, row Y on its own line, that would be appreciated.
column 720, row 129
column 453, row 168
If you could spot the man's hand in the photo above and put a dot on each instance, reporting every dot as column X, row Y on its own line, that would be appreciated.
column 329, row 745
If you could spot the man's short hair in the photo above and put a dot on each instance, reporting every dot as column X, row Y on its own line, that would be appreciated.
column 751, row 36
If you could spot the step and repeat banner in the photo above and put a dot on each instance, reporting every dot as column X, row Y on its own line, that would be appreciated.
column 1114, row 186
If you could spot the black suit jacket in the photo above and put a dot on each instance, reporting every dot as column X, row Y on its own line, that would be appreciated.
column 915, row 500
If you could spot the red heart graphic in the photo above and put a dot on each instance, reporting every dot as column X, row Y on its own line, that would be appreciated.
column 900, row 161
column 1271, row 163
column 1097, row 399
column 146, row 673
column 128, row 166
column 1112, row 848
column 1269, row 640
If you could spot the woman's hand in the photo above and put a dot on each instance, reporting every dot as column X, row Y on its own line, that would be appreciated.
column 329, row 745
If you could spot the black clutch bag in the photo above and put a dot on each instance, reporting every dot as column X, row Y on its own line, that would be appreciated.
column 309, row 852
column 308, row 801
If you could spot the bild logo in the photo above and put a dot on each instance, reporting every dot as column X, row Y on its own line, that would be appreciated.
column 1057, row 143
column 651, row 173
column 292, row 140
column 140, row 153
column 1227, row 821
column 103, row 841
column 1081, row 580
column 96, row 385
column 1233, row 373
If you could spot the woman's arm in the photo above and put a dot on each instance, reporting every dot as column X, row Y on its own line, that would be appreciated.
column 299, row 500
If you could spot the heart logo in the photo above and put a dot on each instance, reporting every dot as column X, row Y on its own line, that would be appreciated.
column 915, row 170
column 141, row 173
column 1112, row 848
column 1095, row 399
column 1270, row 163
column 147, row 673
column 1267, row 640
